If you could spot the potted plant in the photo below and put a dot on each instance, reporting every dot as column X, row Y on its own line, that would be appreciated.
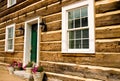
column 38, row 73
column 18, row 66
column 28, row 67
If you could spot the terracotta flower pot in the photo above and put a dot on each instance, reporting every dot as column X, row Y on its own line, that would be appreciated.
column 29, row 70
column 38, row 76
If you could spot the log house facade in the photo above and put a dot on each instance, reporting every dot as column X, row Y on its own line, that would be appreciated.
column 100, row 64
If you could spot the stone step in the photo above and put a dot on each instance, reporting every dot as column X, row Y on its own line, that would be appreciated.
column 85, row 71
column 63, row 77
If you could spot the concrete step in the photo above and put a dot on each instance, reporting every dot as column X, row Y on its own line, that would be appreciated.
column 85, row 71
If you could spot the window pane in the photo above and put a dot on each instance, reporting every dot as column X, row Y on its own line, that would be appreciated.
column 86, row 43
column 85, row 33
column 77, row 23
column 10, row 32
column 78, row 34
column 70, row 15
column 78, row 43
column 71, row 35
column 70, row 24
column 9, row 47
column 12, row 2
column 84, row 12
column 10, row 43
column 77, row 13
column 84, row 22
column 71, row 44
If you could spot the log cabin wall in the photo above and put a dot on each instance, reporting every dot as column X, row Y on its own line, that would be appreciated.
column 107, row 34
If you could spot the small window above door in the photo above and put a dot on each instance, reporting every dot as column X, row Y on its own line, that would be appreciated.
column 11, row 3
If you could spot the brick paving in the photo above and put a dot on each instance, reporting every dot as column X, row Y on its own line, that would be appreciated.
column 5, row 76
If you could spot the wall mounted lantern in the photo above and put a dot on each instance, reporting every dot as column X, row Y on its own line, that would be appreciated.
column 21, row 29
column 44, row 26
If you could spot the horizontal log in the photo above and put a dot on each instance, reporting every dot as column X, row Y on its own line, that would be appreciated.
column 108, row 46
column 27, row 9
column 4, row 2
column 19, row 40
column 42, row 12
column 2, row 49
column 51, row 37
column 2, row 30
column 17, row 7
column 2, row 42
column 19, row 33
column 11, row 59
column 3, row 8
column 53, row 17
column 54, row 26
column 50, row 46
column 2, row 36
column 108, row 20
column 19, row 47
column 15, row 54
column 2, row 54
column 2, row 59
column 3, row 25
column 80, row 71
column 98, row 60
column 108, row 33
column 52, row 56
column 107, row 7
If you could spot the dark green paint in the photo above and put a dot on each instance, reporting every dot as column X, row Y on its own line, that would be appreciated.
column 34, row 43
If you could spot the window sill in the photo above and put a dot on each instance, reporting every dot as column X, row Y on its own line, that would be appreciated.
column 78, row 55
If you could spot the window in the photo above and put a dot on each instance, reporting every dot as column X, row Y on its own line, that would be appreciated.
column 11, row 2
column 9, row 42
column 78, row 27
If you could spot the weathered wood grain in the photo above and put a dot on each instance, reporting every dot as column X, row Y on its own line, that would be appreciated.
column 52, row 17
column 108, row 33
column 108, row 7
column 19, row 47
column 97, row 60
column 50, row 46
column 2, row 42
column 2, row 30
column 51, row 37
column 54, row 26
column 19, row 39
column 108, row 20
column 2, row 48
column 2, row 36
column 108, row 46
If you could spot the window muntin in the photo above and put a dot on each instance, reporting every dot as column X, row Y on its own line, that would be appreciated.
column 10, row 38
column 78, row 29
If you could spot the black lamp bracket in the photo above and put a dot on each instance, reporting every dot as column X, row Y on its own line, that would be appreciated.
column 44, row 26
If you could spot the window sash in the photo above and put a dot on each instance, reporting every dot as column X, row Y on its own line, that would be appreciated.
column 90, row 27
column 9, row 43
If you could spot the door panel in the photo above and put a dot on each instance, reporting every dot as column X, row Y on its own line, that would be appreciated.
column 34, row 43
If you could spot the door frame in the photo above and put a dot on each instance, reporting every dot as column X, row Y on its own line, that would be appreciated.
column 27, row 40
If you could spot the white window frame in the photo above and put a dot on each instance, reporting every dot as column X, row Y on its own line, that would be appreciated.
column 8, row 3
column 6, row 39
column 91, row 25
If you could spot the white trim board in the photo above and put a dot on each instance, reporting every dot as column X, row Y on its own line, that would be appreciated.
column 27, row 40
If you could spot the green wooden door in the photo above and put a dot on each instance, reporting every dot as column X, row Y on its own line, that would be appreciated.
column 34, row 43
